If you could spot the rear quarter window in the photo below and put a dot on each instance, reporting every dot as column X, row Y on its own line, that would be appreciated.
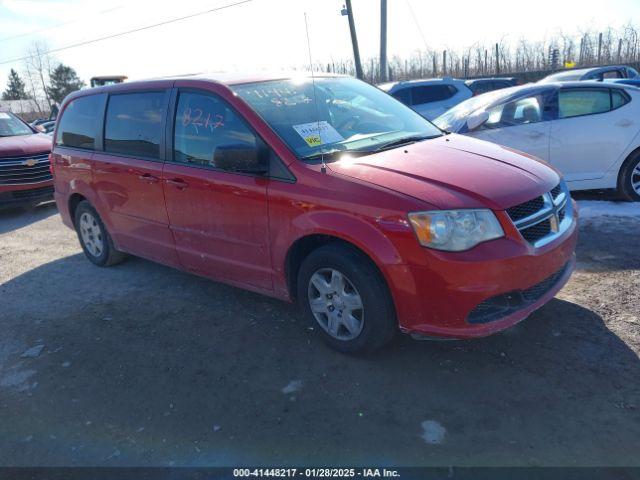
column 432, row 93
column 579, row 102
column 403, row 95
column 79, row 123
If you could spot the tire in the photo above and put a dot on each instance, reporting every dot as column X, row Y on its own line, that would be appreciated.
column 94, row 237
column 324, row 299
column 630, row 175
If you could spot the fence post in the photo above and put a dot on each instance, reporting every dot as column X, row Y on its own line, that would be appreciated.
column 497, row 59
column 444, row 63
column 619, row 48
column 599, row 46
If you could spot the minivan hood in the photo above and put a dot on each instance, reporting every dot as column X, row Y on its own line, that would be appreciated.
column 455, row 171
column 21, row 145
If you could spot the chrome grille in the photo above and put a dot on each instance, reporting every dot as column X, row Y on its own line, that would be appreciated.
column 18, row 171
column 543, row 218
column 525, row 209
column 537, row 231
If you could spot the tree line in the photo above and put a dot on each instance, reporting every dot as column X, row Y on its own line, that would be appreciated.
column 42, row 79
column 523, row 58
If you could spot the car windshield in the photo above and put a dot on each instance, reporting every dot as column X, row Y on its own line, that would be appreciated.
column 452, row 119
column 339, row 114
column 11, row 126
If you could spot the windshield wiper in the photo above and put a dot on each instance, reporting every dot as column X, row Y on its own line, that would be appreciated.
column 402, row 141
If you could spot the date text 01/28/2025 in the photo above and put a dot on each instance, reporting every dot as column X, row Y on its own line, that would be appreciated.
column 316, row 472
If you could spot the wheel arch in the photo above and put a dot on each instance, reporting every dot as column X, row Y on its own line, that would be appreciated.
column 378, row 249
column 74, row 200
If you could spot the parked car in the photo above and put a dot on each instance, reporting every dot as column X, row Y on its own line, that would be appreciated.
column 588, row 130
column 430, row 97
column 479, row 86
column 47, row 127
column 324, row 191
column 24, row 166
column 632, row 82
column 594, row 73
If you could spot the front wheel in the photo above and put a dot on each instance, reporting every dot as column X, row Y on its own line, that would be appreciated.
column 94, row 237
column 345, row 297
column 629, row 180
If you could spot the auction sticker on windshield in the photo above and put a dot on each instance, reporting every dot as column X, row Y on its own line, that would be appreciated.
column 318, row 133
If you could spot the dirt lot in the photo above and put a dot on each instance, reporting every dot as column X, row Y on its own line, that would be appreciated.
column 144, row 365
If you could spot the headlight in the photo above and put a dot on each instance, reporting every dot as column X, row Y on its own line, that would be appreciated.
column 455, row 230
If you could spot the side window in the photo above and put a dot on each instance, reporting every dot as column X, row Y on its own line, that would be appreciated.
column 432, row 93
column 205, row 126
column 403, row 95
column 618, row 99
column 79, row 122
column 518, row 112
column 612, row 74
column 133, row 124
column 631, row 72
column 573, row 103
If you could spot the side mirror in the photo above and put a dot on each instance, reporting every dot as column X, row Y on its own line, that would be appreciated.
column 242, row 158
column 476, row 119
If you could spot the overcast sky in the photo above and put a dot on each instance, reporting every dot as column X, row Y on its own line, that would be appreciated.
column 270, row 34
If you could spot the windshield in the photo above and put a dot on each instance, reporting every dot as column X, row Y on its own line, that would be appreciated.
column 342, row 114
column 453, row 118
column 10, row 126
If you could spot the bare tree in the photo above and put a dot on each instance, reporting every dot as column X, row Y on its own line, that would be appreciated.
column 37, row 68
column 529, row 60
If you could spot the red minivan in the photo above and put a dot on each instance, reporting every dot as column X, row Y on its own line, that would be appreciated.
column 24, row 166
column 324, row 190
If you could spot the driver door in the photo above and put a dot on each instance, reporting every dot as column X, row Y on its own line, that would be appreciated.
column 523, row 124
column 218, row 216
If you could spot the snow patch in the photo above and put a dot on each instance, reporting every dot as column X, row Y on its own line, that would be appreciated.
column 17, row 378
column 292, row 386
column 434, row 433
column 33, row 352
column 590, row 209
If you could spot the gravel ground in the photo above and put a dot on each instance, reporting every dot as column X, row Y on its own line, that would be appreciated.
column 141, row 364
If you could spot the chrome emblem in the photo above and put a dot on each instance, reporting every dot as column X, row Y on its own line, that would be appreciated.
column 554, row 220
column 29, row 162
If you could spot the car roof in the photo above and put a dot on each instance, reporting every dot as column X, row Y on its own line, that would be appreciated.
column 489, row 79
column 237, row 78
column 417, row 82
column 579, row 72
column 221, row 78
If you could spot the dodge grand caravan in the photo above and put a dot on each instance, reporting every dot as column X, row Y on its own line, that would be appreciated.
column 324, row 190
column 24, row 166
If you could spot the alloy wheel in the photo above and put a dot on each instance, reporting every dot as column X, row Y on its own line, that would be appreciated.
column 336, row 304
column 635, row 179
column 91, row 234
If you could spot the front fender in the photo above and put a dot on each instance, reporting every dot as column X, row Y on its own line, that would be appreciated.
column 374, row 239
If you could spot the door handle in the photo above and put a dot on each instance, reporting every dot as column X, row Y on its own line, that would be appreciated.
column 625, row 122
column 148, row 178
column 535, row 134
column 177, row 182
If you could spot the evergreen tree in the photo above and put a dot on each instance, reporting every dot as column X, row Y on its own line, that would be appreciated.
column 15, row 88
column 64, row 80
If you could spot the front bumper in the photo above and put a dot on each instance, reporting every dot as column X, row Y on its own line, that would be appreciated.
column 29, row 194
column 480, row 292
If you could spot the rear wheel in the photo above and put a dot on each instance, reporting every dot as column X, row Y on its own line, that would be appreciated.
column 94, row 237
column 629, row 179
column 346, row 298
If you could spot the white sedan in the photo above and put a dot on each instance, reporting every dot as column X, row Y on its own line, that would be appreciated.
column 590, row 131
